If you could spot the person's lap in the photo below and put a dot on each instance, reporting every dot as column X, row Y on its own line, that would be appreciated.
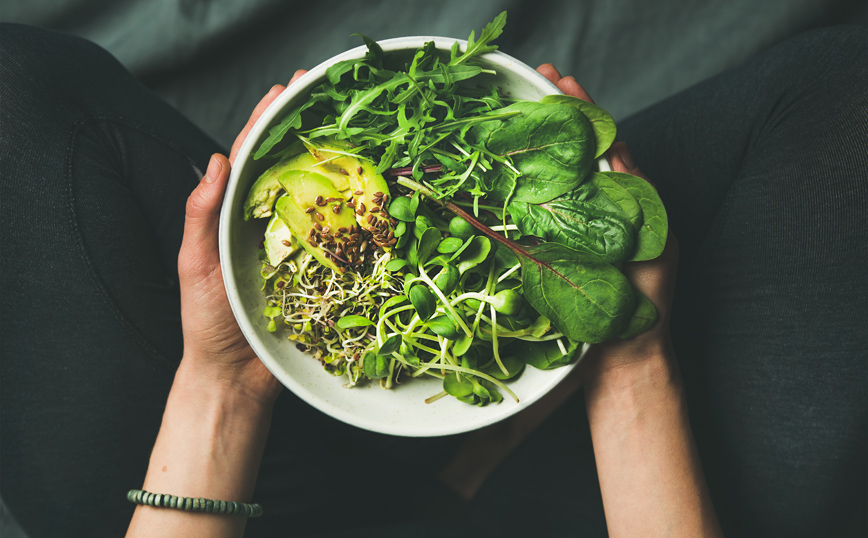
column 763, row 173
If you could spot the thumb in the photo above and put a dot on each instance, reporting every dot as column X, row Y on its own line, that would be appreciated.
column 199, row 251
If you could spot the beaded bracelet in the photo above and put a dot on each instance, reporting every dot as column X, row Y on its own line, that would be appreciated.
column 192, row 504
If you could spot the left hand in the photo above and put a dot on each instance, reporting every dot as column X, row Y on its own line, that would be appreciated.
column 214, row 347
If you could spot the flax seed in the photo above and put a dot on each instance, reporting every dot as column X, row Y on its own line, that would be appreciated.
column 351, row 205
column 378, row 194
column 343, row 229
column 375, row 209
column 336, row 210
column 286, row 243
column 390, row 236
column 311, row 209
column 318, row 200
column 317, row 225
column 319, row 216
column 392, row 242
column 370, row 218
column 359, row 193
column 362, row 207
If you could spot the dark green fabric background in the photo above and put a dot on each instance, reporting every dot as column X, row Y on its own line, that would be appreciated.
column 214, row 59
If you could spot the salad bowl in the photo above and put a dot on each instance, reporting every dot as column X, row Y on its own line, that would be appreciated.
column 400, row 410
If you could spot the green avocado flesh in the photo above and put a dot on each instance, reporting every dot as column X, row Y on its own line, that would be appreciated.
column 323, row 228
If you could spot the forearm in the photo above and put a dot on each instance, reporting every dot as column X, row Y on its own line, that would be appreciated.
column 209, row 445
column 650, row 474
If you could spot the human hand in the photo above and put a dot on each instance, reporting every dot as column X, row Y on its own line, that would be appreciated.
column 215, row 350
column 654, row 278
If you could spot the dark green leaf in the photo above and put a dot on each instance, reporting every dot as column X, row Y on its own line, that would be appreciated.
column 474, row 254
column 392, row 302
column 601, row 121
column 390, row 346
column 651, row 238
column 375, row 366
column 447, row 279
column 551, row 145
column 427, row 244
column 461, row 228
column 445, row 327
column 423, row 301
column 513, row 365
column 396, row 265
column 544, row 355
column 588, row 300
column 644, row 317
column 290, row 121
column 584, row 219
column 457, row 388
column 449, row 245
column 401, row 208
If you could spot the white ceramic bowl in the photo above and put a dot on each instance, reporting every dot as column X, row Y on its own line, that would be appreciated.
column 402, row 410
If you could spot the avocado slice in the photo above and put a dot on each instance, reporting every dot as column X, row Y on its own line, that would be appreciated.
column 368, row 189
column 279, row 242
column 265, row 190
column 314, row 212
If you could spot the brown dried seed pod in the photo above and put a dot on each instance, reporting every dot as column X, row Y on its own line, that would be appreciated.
column 320, row 217
column 311, row 209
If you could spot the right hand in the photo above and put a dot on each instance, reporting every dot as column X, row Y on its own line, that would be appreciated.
column 654, row 278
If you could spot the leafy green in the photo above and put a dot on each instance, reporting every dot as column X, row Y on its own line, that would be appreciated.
column 651, row 238
column 549, row 145
column 601, row 121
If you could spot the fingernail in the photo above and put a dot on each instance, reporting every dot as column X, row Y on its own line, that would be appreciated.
column 215, row 167
column 624, row 153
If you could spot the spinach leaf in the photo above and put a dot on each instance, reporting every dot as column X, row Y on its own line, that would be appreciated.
column 619, row 195
column 601, row 121
column 584, row 219
column 587, row 299
column 544, row 355
column 644, row 317
column 549, row 145
column 655, row 225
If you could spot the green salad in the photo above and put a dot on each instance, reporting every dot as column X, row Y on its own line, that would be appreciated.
column 422, row 223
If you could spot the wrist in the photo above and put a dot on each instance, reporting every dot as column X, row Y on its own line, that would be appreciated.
column 617, row 370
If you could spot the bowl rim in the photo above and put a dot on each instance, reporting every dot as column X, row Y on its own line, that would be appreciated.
column 305, row 83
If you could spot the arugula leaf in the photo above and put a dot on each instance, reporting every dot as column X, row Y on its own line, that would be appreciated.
column 491, row 32
column 290, row 121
